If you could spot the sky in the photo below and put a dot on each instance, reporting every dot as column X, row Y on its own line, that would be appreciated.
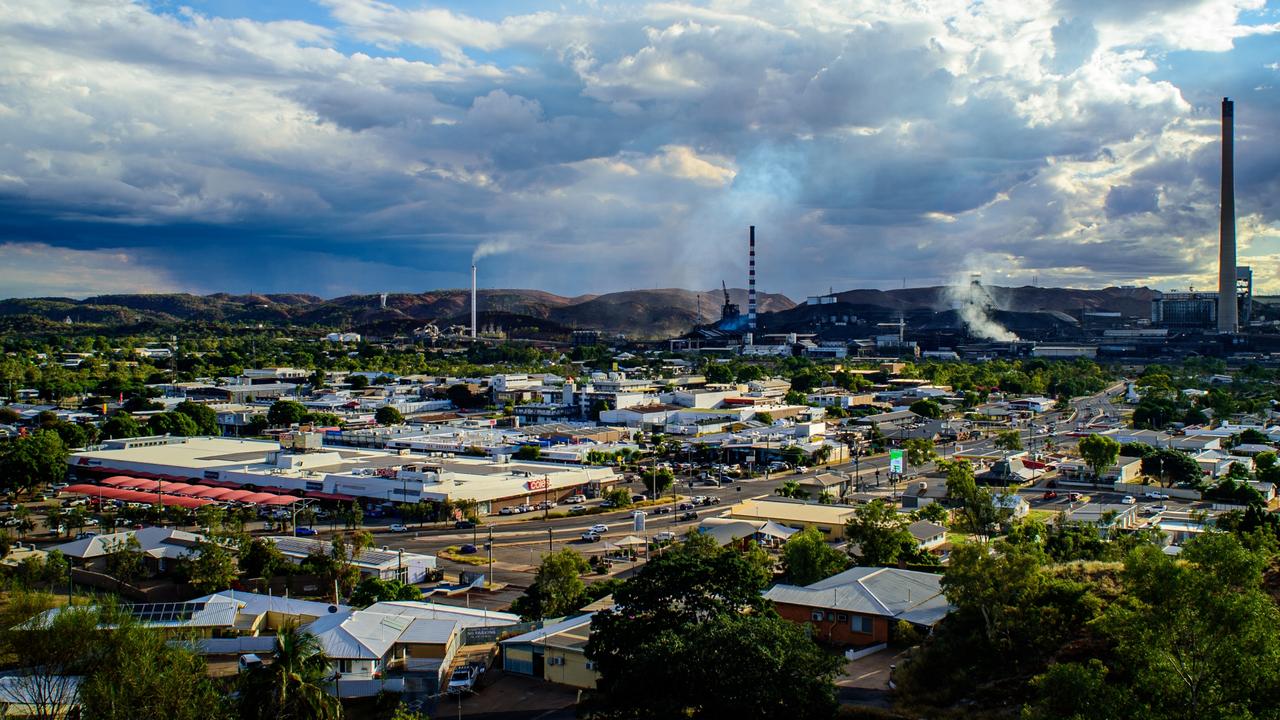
column 587, row 146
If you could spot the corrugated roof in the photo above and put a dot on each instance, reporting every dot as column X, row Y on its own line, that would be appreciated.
column 887, row 592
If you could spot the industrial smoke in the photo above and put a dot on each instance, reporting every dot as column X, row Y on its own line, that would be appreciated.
column 974, row 304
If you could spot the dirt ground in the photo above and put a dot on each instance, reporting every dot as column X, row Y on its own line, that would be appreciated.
column 870, row 672
column 502, row 695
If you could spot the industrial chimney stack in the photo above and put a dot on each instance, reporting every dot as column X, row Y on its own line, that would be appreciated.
column 751, row 283
column 473, row 301
column 1228, row 321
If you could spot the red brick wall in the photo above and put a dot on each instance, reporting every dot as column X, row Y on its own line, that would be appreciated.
column 834, row 631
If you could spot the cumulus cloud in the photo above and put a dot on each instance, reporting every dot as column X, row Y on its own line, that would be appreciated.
column 589, row 148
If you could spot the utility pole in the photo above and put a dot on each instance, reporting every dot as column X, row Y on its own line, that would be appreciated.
column 490, row 548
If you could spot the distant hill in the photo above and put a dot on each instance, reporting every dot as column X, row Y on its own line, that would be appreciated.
column 637, row 313
column 641, row 314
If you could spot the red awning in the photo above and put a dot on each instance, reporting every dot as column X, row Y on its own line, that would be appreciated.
column 281, row 500
column 119, row 480
column 174, row 487
column 236, row 495
column 214, row 493
column 259, row 497
column 339, row 497
column 276, row 490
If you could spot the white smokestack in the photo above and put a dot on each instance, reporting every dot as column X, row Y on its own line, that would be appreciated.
column 473, row 301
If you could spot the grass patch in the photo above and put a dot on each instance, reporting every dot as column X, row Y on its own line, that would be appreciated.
column 452, row 553
column 1043, row 515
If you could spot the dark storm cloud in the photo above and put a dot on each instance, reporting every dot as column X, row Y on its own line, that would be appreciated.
column 591, row 145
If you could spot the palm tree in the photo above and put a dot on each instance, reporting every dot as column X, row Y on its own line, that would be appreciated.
column 792, row 489
column 293, row 686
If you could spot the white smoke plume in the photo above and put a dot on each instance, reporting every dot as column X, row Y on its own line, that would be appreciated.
column 974, row 304
column 490, row 247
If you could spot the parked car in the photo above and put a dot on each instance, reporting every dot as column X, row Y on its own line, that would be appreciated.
column 1074, row 497
column 463, row 680
column 397, row 527
column 576, row 499
column 304, row 531
column 83, row 535
column 1150, row 495
column 590, row 536
column 1158, row 508
column 463, row 525
column 577, row 510
column 507, row 511
column 664, row 536
column 638, row 498
column 526, row 508
column 58, row 486
column 607, row 504
column 6, row 507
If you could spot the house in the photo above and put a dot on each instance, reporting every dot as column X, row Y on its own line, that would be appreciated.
column 924, row 491
column 929, row 536
column 1012, row 503
column 1106, row 516
column 383, row 564
column 834, row 486
column 857, row 606
column 160, row 547
column 1033, row 404
column 726, row 531
column 796, row 514
column 555, row 653
column 1007, row 471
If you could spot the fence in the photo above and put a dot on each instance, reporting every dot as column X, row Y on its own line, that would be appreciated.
column 491, row 634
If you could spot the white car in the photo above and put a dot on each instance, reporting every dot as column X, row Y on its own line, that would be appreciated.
column 664, row 536
column 599, row 528
column 397, row 527
column 576, row 499
column 1152, row 495
column 1128, row 500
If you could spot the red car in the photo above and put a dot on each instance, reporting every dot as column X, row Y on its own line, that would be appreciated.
column 1049, row 495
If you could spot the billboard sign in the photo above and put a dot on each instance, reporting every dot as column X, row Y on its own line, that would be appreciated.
column 537, row 484
column 895, row 461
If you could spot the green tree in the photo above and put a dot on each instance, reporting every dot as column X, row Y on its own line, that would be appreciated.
column 528, row 452
column 121, row 425
column 763, row 417
column 357, row 382
column 284, row 413
column 1099, row 452
column 388, row 415
column 294, row 685
column 124, row 559
column 878, row 535
column 140, row 675
column 212, row 567
column 807, row 558
column 372, row 590
column 261, row 559
column 689, row 614
column 32, row 461
column 919, row 451
column 172, row 423
column 1008, row 440
column 204, row 417
column 557, row 587
column 791, row 489
column 657, row 481
column 1172, row 467
column 926, row 407
column 1199, row 635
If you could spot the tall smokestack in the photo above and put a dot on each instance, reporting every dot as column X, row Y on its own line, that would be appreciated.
column 1228, row 321
column 751, row 282
column 473, row 301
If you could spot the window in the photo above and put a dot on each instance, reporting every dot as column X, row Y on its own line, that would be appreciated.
column 842, row 617
column 817, row 616
column 830, row 616
column 344, row 667
column 861, row 624
column 591, row 665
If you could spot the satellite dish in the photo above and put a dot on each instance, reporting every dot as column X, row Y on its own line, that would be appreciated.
column 333, row 608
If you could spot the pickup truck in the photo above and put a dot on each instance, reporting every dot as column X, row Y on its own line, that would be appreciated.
column 463, row 680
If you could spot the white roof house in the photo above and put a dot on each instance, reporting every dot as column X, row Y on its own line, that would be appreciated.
column 887, row 592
